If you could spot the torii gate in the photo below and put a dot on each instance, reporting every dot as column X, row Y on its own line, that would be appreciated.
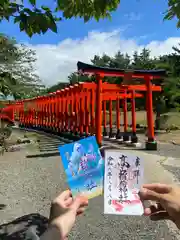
column 128, row 75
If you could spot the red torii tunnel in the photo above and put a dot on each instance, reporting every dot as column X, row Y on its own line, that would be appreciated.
column 147, row 75
column 80, row 110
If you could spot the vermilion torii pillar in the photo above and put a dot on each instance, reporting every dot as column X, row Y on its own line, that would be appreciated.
column 150, row 114
column 99, row 78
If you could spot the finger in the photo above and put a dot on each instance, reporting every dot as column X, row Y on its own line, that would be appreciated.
column 83, row 198
column 152, row 209
column 146, row 194
column 160, row 216
column 84, row 202
column 68, row 202
column 81, row 211
column 79, row 202
column 64, row 195
column 158, row 187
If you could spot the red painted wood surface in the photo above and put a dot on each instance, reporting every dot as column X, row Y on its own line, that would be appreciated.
column 82, row 107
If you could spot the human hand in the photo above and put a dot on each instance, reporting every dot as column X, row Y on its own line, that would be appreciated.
column 64, row 210
column 167, row 202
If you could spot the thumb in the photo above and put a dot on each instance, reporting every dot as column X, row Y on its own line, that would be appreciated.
column 79, row 202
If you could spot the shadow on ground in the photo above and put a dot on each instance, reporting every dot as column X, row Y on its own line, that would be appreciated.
column 43, row 155
column 28, row 227
column 2, row 206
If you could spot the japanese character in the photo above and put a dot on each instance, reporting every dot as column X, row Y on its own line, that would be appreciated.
column 109, row 174
column 137, row 162
column 110, row 159
column 109, row 201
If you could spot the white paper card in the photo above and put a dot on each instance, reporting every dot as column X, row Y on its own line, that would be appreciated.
column 123, row 178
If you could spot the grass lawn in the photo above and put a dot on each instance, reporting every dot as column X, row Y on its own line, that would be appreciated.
column 167, row 120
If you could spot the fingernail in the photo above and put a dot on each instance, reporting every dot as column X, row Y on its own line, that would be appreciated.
column 84, row 199
column 143, row 190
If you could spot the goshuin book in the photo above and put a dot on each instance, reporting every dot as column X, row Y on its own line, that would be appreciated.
column 123, row 177
column 84, row 167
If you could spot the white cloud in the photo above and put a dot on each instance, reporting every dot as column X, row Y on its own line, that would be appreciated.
column 18, row 1
column 133, row 16
column 56, row 62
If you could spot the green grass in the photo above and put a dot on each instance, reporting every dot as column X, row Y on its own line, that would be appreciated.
column 168, row 120
column 140, row 117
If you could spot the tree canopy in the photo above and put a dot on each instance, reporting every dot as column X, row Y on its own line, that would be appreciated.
column 56, row 87
column 35, row 18
column 173, row 11
column 17, row 75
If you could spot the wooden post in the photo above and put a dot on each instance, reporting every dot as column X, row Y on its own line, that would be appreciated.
column 134, row 138
column 82, row 113
column 125, row 135
column 99, row 108
column 49, row 111
column 151, row 144
column 87, row 115
column 104, row 119
column 81, row 116
column 66, row 109
column 92, row 111
column 77, row 112
column 71, row 109
column 118, row 135
column 61, row 111
column 110, row 119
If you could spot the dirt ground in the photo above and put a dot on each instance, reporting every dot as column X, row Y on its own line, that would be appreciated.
column 172, row 137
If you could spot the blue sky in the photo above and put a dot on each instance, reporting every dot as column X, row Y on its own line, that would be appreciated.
column 135, row 24
column 139, row 17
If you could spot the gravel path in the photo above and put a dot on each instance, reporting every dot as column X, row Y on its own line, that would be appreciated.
column 28, row 185
column 167, row 149
column 174, row 170
column 164, row 148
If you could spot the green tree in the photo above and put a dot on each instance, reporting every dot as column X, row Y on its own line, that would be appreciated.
column 121, row 61
column 136, row 64
column 76, row 78
column 55, row 87
column 103, row 61
column 17, row 75
column 173, row 11
column 172, row 82
column 175, row 57
column 73, row 78
column 143, row 60
column 39, row 18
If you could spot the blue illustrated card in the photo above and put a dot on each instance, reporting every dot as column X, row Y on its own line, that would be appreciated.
column 84, row 167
